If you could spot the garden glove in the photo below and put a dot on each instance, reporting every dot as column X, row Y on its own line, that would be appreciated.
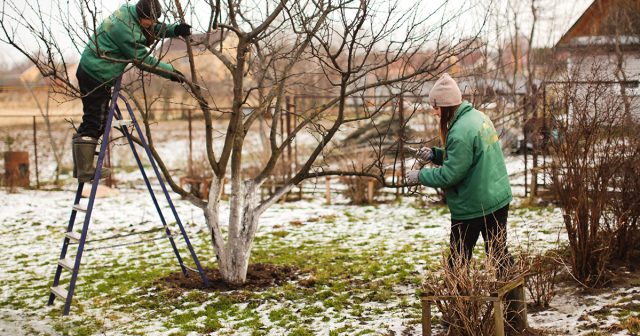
column 182, row 29
column 177, row 76
column 411, row 177
column 424, row 155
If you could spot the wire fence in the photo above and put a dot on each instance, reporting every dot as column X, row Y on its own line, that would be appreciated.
column 37, row 127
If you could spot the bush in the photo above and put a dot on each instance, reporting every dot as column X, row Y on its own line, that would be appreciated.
column 595, row 175
column 542, row 273
column 476, row 278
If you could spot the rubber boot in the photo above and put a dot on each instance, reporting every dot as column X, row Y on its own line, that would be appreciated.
column 84, row 149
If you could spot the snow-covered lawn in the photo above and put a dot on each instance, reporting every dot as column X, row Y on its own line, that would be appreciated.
column 360, row 267
column 366, row 262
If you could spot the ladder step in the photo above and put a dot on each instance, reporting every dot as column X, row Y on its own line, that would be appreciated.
column 67, row 263
column 78, row 207
column 124, row 122
column 73, row 236
column 60, row 292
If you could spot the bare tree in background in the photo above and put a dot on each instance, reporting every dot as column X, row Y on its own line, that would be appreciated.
column 353, row 48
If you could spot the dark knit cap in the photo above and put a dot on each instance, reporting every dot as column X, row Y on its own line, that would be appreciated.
column 149, row 9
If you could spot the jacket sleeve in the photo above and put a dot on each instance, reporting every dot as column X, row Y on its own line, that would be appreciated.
column 164, row 30
column 454, row 168
column 135, row 50
column 438, row 155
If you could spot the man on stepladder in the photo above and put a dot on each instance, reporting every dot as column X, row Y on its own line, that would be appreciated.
column 122, row 38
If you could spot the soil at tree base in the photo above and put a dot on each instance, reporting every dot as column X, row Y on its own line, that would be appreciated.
column 259, row 276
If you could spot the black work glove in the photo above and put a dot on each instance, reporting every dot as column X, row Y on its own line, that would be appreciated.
column 182, row 29
column 177, row 76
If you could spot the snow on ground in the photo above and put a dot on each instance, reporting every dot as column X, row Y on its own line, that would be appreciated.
column 377, row 253
column 33, row 224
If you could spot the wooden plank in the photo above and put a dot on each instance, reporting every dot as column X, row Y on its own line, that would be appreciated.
column 523, row 312
column 60, row 292
column 370, row 186
column 498, row 318
column 67, row 263
column 454, row 297
column 510, row 286
column 73, row 236
column 426, row 318
column 78, row 207
column 327, row 190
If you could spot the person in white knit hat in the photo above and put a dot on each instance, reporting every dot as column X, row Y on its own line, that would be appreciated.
column 470, row 168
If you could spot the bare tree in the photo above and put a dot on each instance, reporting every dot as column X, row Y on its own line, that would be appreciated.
column 347, row 48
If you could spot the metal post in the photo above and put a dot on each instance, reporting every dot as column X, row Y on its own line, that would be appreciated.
column 295, row 141
column 190, row 145
column 288, row 118
column 524, row 133
column 545, row 132
column 401, row 142
column 109, row 179
column 35, row 150
column 284, row 164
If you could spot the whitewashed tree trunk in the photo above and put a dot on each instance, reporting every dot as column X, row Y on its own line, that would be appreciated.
column 233, row 256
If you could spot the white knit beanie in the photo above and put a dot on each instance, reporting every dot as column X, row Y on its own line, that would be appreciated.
column 445, row 92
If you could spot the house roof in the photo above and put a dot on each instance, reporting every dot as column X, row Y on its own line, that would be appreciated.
column 590, row 28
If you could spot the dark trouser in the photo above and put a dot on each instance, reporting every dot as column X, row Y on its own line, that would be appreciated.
column 95, row 104
column 493, row 227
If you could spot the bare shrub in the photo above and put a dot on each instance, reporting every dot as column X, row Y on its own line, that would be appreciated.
column 588, row 158
column 624, row 207
column 357, row 187
column 542, row 274
column 467, row 282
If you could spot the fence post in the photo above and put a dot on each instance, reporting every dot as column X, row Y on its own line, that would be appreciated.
column 370, row 190
column 545, row 134
column 288, row 119
column 35, row 150
column 426, row 318
column 524, row 134
column 190, row 145
column 401, row 142
column 327, row 189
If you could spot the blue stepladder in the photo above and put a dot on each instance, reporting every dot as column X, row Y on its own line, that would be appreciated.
column 71, row 236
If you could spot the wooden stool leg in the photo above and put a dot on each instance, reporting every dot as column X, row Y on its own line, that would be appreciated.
column 497, row 317
column 426, row 318
column 523, row 307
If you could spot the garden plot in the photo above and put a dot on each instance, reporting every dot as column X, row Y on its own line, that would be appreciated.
column 359, row 271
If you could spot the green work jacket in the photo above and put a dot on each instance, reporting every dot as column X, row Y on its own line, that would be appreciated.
column 120, row 37
column 472, row 170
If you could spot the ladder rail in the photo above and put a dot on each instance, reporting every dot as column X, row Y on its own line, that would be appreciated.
column 66, row 243
column 63, row 262
column 92, row 197
column 151, row 192
column 165, row 191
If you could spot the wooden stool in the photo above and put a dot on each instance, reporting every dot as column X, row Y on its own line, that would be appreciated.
column 497, row 300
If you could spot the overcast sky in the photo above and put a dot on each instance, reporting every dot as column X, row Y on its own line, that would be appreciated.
column 555, row 18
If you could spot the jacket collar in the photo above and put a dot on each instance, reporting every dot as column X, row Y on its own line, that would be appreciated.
column 462, row 110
